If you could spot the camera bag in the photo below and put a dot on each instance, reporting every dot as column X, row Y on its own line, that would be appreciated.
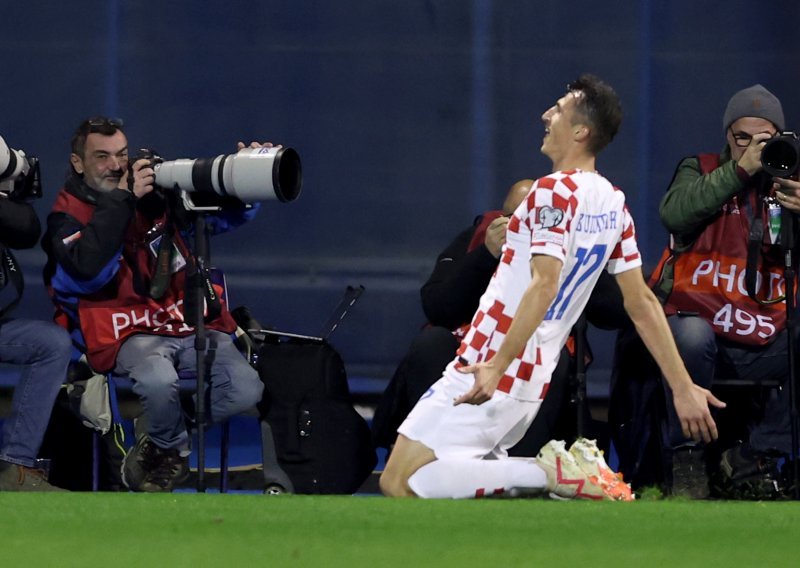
column 323, row 444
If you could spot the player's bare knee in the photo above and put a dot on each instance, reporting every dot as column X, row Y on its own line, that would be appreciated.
column 393, row 485
column 387, row 484
column 406, row 457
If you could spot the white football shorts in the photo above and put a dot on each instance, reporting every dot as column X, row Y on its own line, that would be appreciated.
column 481, row 431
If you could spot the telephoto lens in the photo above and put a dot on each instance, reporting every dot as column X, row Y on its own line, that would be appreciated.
column 780, row 156
column 250, row 175
column 12, row 162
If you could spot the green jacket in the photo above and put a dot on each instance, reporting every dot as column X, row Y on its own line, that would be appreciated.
column 693, row 199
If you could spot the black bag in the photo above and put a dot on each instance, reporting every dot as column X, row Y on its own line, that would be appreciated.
column 636, row 415
column 323, row 444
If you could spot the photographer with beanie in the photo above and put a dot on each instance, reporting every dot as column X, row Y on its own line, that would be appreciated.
column 720, row 330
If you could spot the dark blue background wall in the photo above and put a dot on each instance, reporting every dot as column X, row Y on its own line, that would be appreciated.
column 410, row 116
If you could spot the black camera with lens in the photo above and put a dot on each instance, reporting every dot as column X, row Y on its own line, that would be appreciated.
column 20, row 178
column 780, row 156
column 248, row 176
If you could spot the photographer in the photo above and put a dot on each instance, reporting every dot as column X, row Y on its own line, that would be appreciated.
column 41, row 348
column 719, row 329
column 108, row 230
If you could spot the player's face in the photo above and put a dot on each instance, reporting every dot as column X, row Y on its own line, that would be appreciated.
column 105, row 159
column 558, row 126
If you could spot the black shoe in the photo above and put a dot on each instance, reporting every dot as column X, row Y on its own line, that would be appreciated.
column 149, row 468
column 15, row 477
column 746, row 474
column 133, row 464
column 171, row 470
column 689, row 476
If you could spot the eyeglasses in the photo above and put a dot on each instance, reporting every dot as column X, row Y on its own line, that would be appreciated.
column 102, row 123
column 742, row 139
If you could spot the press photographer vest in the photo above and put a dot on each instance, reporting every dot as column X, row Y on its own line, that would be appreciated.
column 708, row 279
column 117, row 311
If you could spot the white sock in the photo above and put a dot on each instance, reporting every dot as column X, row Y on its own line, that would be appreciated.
column 468, row 478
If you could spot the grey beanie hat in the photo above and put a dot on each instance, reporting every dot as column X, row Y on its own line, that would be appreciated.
column 754, row 101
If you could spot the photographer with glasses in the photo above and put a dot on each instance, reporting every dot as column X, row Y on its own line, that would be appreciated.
column 41, row 348
column 719, row 328
column 121, row 291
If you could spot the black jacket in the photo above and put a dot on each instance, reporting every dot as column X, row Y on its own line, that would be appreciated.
column 19, row 229
column 451, row 294
column 19, row 225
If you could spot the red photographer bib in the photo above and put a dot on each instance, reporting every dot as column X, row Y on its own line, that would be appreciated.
column 709, row 278
column 110, row 315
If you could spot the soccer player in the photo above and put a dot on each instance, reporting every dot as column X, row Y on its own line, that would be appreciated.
column 572, row 224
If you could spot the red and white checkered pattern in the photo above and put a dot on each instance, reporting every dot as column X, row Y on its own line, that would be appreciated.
column 565, row 212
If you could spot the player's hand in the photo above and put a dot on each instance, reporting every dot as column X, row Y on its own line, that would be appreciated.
column 496, row 236
column 486, row 379
column 692, row 407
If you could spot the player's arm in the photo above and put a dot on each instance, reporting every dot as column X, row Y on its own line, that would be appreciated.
column 545, row 272
column 691, row 401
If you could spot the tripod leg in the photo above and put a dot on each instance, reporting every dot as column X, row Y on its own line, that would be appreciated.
column 579, row 396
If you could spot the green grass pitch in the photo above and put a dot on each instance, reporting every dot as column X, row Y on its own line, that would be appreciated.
column 189, row 529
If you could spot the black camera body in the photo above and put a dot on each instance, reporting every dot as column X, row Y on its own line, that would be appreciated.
column 780, row 156
column 145, row 154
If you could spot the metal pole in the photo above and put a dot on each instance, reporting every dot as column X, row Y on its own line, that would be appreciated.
column 788, row 221
column 200, row 345
column 580, row 375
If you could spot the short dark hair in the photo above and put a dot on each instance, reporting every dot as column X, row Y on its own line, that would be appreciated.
column 600, row 107
column 95, row 125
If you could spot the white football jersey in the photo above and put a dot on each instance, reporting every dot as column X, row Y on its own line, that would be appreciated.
column 579, row 218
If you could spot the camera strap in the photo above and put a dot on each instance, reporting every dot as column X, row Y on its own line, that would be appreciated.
column 168, row 258
column 213, row 303
column 755, row 242
column 161, row 277
column 10, row 272
column 199, row 278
